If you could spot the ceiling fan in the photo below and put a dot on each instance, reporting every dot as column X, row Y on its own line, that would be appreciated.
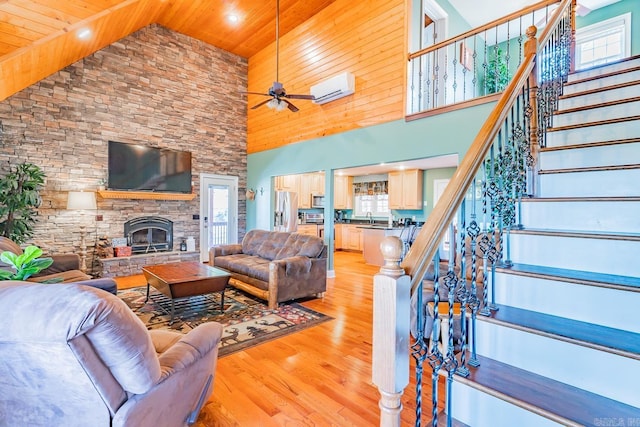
column 279, row 97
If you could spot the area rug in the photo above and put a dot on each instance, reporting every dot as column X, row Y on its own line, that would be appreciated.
column 246, row 320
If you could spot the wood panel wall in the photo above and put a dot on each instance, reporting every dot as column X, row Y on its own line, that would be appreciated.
column 34, row 62
column 364, row 38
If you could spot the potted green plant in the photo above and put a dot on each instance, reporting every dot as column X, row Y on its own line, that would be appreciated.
column 19, row 199
column 25, row 265
column 497, row 74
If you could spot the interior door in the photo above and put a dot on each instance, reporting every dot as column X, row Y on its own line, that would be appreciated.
column 218, row 212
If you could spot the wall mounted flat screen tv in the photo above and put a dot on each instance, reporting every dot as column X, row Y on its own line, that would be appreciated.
column 142, row 168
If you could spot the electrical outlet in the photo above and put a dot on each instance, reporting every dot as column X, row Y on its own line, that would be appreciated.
column 99, row 218
column 196, row 216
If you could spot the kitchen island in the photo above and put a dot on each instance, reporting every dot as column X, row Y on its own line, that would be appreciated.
column 372, row 237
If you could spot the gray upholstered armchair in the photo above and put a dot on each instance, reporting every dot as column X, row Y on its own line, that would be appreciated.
column 74, row 355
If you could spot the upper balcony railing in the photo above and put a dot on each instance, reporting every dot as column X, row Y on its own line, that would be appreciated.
column 473, row 65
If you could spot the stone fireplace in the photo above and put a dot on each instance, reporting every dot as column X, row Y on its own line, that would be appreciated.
column 149, row 234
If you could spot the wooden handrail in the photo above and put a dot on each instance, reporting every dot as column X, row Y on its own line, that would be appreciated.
column 555, row 20
column 424, row 248
column 422, row 251
column 478, row 30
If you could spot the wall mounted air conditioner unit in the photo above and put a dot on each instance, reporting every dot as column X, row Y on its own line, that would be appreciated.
column 334, row 88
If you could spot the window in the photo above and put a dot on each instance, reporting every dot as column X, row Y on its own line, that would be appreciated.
column 378, row 205
column 603, row 42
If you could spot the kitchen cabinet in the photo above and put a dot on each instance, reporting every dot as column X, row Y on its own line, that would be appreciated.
column 337, row 237
column 304, row 196
column 309, row 183
column 287, row 183
column 316, row 183
column 343, row 192
column 351, row 237
column 310, row 229
column 405, row 189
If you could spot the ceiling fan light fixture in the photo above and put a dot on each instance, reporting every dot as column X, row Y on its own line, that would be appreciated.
column 277, row 104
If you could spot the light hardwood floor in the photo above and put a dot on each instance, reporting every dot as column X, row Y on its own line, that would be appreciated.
column 317, row 377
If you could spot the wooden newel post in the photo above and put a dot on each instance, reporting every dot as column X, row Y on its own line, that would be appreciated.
column 391, row 311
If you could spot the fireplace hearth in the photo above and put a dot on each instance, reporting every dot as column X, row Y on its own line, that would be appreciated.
column 148, row 234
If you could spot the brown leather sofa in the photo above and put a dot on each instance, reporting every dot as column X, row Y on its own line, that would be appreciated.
column 275, row 266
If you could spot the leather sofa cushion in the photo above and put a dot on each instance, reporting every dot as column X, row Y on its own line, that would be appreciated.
column 301, row 245
column 248, row 265
column 253, row 240
column 273, row 244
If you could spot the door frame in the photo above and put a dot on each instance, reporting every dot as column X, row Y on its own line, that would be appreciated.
column 232, row 182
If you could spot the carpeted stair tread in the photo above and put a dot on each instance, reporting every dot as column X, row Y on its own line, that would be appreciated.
column 560, row 402
column 575, row 276
column 612, row 340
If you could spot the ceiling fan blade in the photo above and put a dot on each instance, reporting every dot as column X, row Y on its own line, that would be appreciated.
column 292, row 96
column 290, row 106
column 260, row 104
column 256, row 93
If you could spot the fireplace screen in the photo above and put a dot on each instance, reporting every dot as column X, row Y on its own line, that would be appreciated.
column 149, row 234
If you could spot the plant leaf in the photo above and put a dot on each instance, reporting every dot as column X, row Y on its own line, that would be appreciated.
column 9, row 258
column 6, row 275
column 41, row 263
column 31, row 253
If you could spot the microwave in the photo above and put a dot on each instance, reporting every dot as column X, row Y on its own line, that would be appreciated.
column 317, row 200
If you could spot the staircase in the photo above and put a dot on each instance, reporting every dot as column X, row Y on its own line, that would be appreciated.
column 564, row 346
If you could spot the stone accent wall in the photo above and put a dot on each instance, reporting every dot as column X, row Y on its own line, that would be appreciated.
column 154, row 87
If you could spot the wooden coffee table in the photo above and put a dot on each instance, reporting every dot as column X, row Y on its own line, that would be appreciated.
column 185, row 279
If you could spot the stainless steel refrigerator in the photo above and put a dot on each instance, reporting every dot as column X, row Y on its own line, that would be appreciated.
column 286, row 211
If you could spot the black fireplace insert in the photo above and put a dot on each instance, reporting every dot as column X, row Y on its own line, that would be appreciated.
column 149, row 234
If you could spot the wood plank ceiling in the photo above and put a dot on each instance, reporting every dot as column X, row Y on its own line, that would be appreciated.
column 40, row 37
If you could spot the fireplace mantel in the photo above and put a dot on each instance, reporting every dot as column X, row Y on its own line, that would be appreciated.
column 113, row 194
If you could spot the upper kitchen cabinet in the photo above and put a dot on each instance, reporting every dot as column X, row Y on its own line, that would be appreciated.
column 287, row 183
column 310, row 184
column 343, row 192
column 405, row 189
column 305, row 185
column 316, row 182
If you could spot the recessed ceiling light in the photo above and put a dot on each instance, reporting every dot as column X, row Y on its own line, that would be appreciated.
column 234, row 19
column 83, row 33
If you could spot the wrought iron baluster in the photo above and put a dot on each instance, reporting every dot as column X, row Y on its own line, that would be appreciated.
column 494, row 223
column 496, row 69
column 427, row 74
column 454, row 86
column 435, row 356
column 520, row 45
column 473, row 231
column 445, row 76
column 474, row 81
column 412, row 88
column 436, row 78
column 508, row 54
column 486, row 244
column 484, row 64
column 462, row 292
column 450, row 361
